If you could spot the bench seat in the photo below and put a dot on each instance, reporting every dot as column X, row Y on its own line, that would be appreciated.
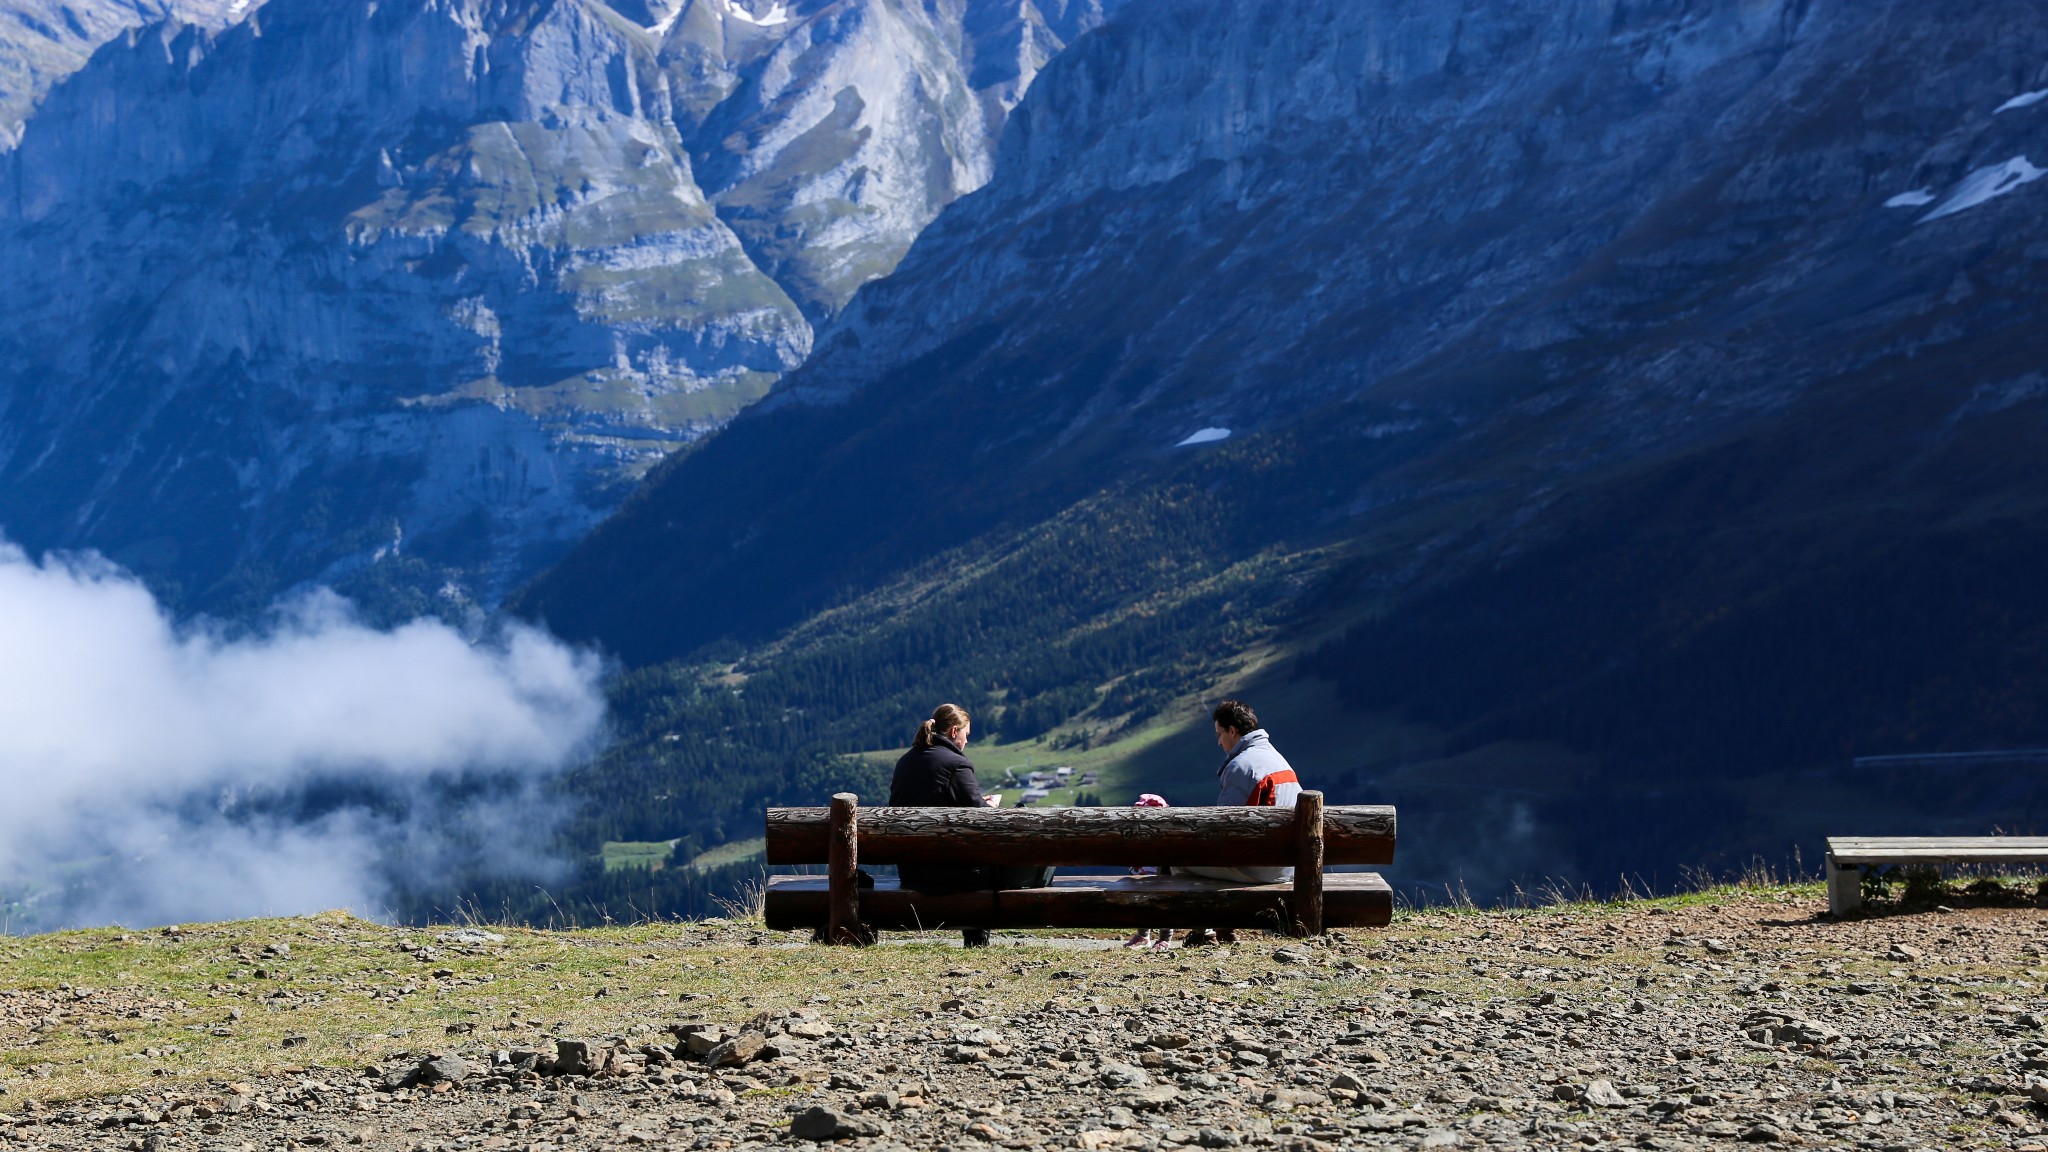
column 1350, row 900
column 1848, row 856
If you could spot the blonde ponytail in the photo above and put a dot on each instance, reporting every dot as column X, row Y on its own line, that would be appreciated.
column 945, row 718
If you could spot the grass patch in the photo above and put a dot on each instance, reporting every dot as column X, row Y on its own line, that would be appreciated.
column 736, row 852
column 619, row 854
column 654, row 854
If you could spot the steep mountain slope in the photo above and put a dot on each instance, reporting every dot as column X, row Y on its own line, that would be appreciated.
column 405, row 296
column 836, row 141
column 1582, row 364
column 43, row 41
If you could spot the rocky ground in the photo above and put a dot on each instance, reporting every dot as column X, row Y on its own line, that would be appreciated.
column 1745, row 1016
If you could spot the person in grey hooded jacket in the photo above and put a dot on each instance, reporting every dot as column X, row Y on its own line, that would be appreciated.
column 1254, row 773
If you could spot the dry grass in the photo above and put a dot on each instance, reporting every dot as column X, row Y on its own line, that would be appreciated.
column 135, row 1011
column 146, row 1011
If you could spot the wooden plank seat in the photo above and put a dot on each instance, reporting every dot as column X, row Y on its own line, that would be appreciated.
column 1849, row 856
column 1350, row 900
column 1306, row 837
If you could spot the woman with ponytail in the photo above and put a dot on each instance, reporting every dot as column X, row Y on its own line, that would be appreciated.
column 936, row 773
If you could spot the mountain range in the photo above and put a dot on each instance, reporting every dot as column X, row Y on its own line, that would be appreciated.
column 1595, row 424
column 403, row 297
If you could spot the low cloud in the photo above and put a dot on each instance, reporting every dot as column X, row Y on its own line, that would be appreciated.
column 153, row 772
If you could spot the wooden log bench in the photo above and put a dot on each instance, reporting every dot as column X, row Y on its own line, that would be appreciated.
column 1849, row 856
column 1308, row 836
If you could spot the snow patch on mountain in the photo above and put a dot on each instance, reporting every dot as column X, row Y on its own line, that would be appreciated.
column 779, row 14
column 660, row 27
column 2023, row 100
column 1987, row 184
column 1205, row 436
column 1917, row 198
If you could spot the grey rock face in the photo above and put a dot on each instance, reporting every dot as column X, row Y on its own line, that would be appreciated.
column 429, row 286
column 1430, row 238
column 842, row 138
column 43, row 41
column 1441, row 167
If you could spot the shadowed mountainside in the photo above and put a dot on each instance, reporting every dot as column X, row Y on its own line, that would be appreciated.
column 1650, row 383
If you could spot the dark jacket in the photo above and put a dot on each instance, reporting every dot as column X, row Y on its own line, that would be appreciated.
column 936, row 777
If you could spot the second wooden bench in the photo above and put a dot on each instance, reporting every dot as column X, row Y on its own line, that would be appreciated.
column 1850, row 856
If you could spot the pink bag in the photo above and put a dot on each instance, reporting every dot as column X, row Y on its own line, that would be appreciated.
column 1148, row 800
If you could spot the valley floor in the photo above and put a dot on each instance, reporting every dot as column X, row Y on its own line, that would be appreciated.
column 1742, row 1015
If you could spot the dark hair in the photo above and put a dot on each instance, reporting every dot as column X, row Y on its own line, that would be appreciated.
column 945, row 718
column 1236, row 715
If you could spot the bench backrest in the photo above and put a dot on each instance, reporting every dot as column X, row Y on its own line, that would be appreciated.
column 1227, row 837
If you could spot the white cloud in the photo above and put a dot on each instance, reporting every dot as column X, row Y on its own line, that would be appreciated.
column 130, row 739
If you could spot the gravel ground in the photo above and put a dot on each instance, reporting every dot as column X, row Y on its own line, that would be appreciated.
column 1677, row 1025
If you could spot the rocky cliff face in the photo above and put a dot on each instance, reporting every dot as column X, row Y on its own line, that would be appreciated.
column 839, row 137
column 1425, row 175
column 1503, row 244
column 43, row 41
column 415, row 291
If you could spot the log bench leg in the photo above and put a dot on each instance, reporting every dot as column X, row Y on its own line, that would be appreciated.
column 1845, row 887
column 1308, row 864
column 843, row 925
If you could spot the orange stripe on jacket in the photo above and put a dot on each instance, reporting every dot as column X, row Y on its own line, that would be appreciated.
column 1267, row 791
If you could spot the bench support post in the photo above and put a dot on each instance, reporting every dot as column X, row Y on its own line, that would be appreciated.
column 1308, row 864
column 1845, row 887
column 843, row 848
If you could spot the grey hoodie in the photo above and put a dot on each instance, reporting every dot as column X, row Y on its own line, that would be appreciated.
column 1252, row 759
